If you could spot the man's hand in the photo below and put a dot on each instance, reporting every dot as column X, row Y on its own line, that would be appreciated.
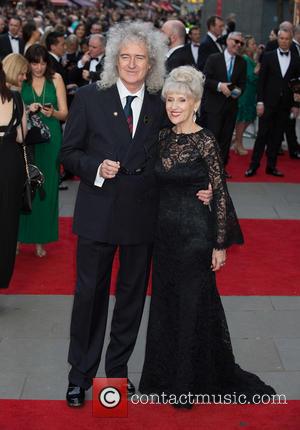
column 205, row 195
column 224, row 89
column 218, row 259
column 295, row 111
column 296, row 97
column 85, row 58
column 109, row 169
column 86, row 75
column 260, row 109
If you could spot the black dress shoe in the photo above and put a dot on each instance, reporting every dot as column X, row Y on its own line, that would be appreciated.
column 130, row 389
column 63, row 187
column 227, row 175
column 296, row 155
column 75, row 395
column 250, row 172
column 274, row 172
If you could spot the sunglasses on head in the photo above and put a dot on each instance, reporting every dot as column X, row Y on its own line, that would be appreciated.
column 238, row 42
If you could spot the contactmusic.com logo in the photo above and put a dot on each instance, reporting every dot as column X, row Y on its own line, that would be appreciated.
column 110, row 397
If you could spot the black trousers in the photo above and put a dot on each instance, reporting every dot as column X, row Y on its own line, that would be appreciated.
column 222, row 125
column 291, row 137
column 271, row 126
column 90, row 308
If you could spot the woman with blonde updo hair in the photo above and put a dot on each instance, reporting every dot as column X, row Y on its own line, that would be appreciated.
column 188, row 350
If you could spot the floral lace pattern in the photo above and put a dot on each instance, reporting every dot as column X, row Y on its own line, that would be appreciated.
column 188, row 343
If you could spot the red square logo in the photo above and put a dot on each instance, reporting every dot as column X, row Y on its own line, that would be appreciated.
column 110, row 397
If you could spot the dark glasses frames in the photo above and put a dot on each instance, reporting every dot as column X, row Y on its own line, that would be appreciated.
column 238, row 42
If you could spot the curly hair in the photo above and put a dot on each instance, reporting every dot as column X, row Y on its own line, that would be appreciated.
column 185, row 80
column 141, row 32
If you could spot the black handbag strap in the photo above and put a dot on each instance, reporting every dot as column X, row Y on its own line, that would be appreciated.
column 19, row 106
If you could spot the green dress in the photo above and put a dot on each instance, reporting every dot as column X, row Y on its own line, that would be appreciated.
column 247, row 101
column 41, row 225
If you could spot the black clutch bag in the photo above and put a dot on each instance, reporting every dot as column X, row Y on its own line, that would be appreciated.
column 38, row 132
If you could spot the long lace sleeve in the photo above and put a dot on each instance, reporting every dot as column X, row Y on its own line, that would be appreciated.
column 227, row 228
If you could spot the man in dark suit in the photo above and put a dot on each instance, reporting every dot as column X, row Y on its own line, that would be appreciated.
column 290, row 127
column 225, row 81
column 11, row 42
column 56, row 46
column 189, row 52
column 175, row 32
column 275, row 102
column 210, row 45
column 90, row 66
column 110, row 141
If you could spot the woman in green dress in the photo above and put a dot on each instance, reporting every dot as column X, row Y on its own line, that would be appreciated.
column 247, row 102
column 44, row 92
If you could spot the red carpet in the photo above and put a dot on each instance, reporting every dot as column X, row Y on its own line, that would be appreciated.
column 239, row 164
column 265, row 265
column 45, row 415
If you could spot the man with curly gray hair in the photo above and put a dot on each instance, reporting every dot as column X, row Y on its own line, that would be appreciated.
column 110, row 141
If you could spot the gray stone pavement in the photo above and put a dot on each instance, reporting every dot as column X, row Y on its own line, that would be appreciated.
column 265, row 330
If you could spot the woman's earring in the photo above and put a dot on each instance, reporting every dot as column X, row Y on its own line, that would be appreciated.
column 195, row 116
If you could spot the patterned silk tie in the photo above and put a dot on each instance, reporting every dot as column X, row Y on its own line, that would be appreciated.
column 128, row 112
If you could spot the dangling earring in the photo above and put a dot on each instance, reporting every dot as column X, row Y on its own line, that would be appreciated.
column 195, row 116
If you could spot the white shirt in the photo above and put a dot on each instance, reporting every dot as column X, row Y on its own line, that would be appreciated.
column 14, row 44
column 227, row 57
column 170, row 52
column 136, row 107
column 94, row 63
column 284, row 62
column 195, row 50
column 214, row 38
column 228, row 60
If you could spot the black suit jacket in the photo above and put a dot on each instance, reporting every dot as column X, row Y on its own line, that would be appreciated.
column 76, row 74
column 59, row 68
column 181, row 57
column 5, row 46
column 273, row 89
column 215, row 72
column 124, row 210
column 206, row 48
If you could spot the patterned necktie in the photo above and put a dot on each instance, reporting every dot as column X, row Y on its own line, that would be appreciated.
column 128, row 112
column 230, row 68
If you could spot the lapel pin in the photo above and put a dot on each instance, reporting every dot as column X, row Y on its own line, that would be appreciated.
column 115, row 113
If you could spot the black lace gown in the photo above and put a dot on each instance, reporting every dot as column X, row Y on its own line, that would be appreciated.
column 188, row 346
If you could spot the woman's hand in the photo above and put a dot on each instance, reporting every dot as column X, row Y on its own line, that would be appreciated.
column 34, row 107
column 47, row 111
column 205, row 195
column 218, row 259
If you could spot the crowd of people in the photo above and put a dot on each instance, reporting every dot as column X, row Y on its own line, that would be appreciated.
column 151, row 150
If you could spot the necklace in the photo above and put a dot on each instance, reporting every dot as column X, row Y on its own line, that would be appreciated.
column 180, row 135
column 42, row 95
